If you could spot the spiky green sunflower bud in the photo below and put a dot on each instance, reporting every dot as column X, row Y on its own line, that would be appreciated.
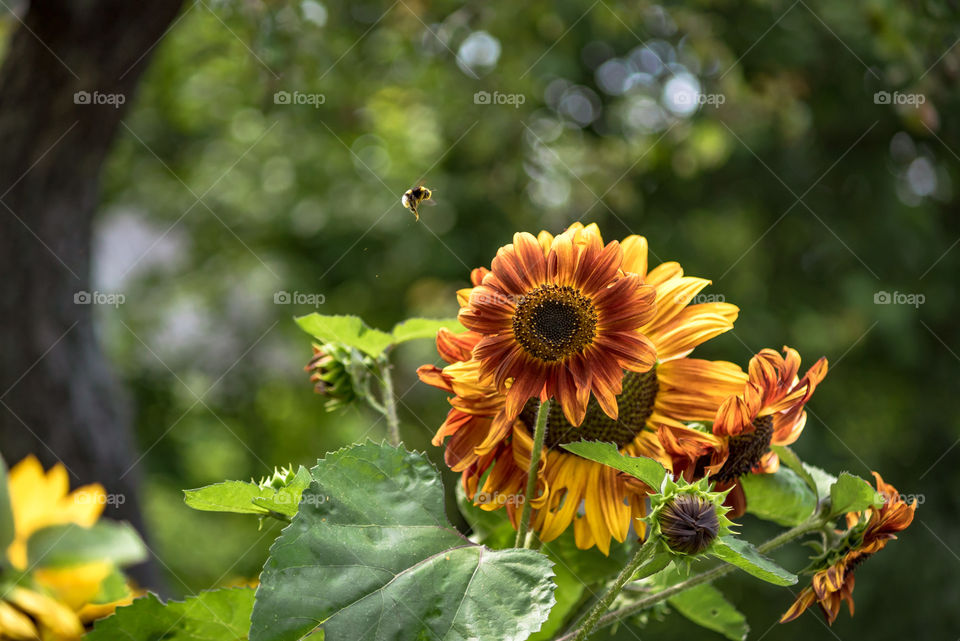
column 689, row 524
column 330, row 374
column 280, row 478
column 688, row 517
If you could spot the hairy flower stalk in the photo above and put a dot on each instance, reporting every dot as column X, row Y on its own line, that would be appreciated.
column 535, row 458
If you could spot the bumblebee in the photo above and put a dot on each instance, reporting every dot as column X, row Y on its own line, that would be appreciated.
column 413, row 198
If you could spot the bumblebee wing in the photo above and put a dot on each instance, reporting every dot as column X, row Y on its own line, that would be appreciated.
column 430, row 203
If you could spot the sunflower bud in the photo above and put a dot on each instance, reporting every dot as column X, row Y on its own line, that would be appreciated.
column 688, row 517
column 279, row 479
column 689, row 524
column 331, row 376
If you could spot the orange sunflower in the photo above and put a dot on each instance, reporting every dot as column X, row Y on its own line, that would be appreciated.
column 489, row 444
column 869, row 533
column 768, row 410
column 560, row 321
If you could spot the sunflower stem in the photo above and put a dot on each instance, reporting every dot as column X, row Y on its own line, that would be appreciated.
column 811, row 525
column 389, row 403
column 626, row 575
column 538, row 435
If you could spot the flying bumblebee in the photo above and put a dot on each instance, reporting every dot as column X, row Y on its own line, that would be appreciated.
column 413, row 198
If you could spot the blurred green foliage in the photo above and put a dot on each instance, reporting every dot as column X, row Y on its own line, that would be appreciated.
column 799, row 195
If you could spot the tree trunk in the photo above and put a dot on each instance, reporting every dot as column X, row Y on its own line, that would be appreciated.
column 58, row 398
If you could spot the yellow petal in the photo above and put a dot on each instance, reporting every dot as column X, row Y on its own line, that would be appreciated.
column 15, row 625
column 51, row 614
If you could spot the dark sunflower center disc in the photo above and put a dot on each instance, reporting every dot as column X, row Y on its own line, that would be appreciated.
column 635, row 403
column 746, row 450
column 553, row 322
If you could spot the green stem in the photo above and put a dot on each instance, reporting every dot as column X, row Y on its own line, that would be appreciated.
column 390, row 404
column 538, row 434
column 810, row 525
column 626, row 575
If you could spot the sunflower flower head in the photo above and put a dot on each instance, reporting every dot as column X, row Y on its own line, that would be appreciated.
column 38, row 602
column 560, row 320
column 688, row 518
column 488, row 433
column 768, row 411
column 868, row 533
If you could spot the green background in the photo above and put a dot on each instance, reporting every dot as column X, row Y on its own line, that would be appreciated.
column 799, row 196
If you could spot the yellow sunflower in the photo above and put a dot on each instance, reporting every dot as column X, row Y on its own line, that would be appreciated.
column 869, row 533
column 488, row 443
column 59, row 600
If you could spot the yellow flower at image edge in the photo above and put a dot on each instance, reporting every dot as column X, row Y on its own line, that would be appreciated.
column 487, row 443
column 833, row 582
column 60, row 604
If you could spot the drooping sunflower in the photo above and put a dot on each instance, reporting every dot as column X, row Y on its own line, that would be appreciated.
column 768, row 410
column 868, row 533
column 52, row 603
column 488, row 444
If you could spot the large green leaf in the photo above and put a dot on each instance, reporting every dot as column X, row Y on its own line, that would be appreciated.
column 249, row 498
column 852, row 494
column 377, row 560
column 643, row 468
column 746, row 557
column 71, row 544
column 415, row 328
column 570, row 589
column 782, row 497
column 789, row 458
column 221, row 615
column 822, row 479
column 6, row 512
column 706, row 606
column 349, row 330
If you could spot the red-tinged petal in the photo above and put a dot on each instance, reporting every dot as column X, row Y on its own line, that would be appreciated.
column 625, row 304
column 603, row 271
column 433, row 375
column 476, row 275
column 572, row 399
column 522, row 390
column 632, row 350
column 456, row 347
column 519, row 267
column 562, row 261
